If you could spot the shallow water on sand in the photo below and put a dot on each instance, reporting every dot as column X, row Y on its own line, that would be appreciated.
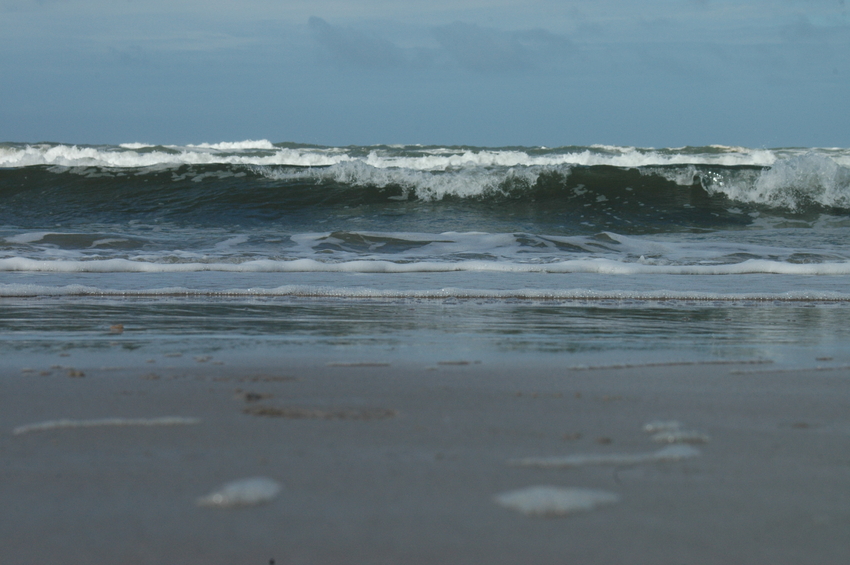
column 107, row 331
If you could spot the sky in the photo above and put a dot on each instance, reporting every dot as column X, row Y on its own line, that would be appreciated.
column 648, row 73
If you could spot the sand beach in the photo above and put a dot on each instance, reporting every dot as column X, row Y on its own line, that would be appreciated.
column 385, row 462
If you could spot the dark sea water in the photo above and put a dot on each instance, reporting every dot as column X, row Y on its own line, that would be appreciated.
column 578, row 255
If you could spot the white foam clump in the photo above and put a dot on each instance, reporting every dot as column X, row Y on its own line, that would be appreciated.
column 671, row 432
column 105, row 422
column 666, row 454
column 680, row 436
column 549, row 501
column 135, row 145
column 793, row 183
column 662, row 426
column 242, row 492
column 236, row 145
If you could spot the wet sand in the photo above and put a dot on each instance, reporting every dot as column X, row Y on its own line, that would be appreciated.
column 382, row 463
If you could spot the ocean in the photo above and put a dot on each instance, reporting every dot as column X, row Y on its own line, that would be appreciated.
column 573, row 256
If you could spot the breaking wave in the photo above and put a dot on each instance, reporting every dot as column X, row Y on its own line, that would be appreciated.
column 789, row 179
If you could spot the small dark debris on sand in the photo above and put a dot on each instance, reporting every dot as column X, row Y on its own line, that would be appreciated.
column 358, row 364
column 249, row 396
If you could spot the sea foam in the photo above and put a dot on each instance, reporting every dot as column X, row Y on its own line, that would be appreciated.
column 243, row 492
column 598, row 266
column 550, row 501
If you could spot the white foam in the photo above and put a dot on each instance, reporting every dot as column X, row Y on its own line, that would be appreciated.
column 672, row 432
column 596, row 266
column 236, row 145
column 105, row 422
column 799, row 180
column 662, row 426
column 75, row 156
column 628, row 157
column 666, row 454
column 680, row 436
column 243, row 492
column 441, row 159
column 549, row 501
column 136, row 145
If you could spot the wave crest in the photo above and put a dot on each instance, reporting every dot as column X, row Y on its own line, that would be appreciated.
column 787, row 179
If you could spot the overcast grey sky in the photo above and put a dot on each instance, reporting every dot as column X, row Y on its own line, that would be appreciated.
column 483, row 72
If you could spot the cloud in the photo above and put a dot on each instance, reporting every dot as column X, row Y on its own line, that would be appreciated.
column 481, row 49
column 356, row 48
column 802, row 30
column 489, row 50
column 131, row 56
column 472, row 47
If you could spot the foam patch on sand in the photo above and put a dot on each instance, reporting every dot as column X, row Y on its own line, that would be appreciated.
column 550, row 502
column 670, row 453
column 672, row 432
column 661, row 426
column 680, row 436
column 242, row 492
column 105, row 422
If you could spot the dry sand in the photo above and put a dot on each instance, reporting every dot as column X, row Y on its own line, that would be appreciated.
column 405, row 464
